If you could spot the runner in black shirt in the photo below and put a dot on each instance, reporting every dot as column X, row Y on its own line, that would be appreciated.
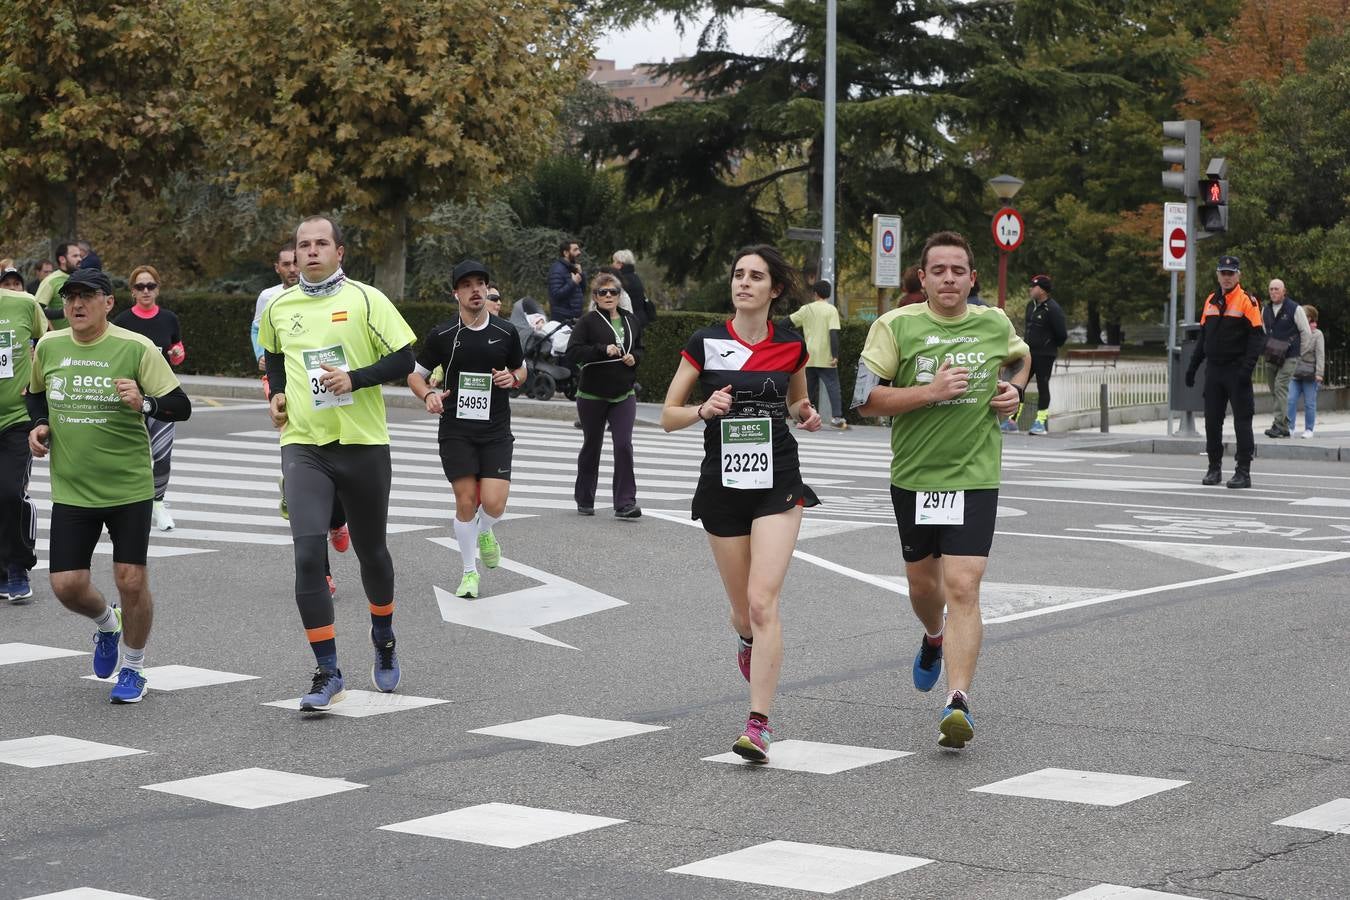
column 750, row 492
column 160, row 325
column 483, row 361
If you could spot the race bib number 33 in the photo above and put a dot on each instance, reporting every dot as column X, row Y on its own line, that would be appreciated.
column 315, row 360
column 940, row 508
column 473, row 400
column 747, row 453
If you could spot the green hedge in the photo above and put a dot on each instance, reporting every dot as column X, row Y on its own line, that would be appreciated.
column 216, row 327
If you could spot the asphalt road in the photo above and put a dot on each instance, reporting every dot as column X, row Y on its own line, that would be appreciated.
column 1176, row 650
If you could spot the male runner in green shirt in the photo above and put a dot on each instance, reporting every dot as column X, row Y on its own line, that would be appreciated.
column 91, row 388
column 21, row 324
column 933, row 368
column 68, row 258
column 331, row 342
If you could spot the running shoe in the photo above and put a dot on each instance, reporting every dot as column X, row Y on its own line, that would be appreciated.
column 17, row 588
column 159, row 516
column 753, row 744
column 840, row 423
column 927, row 665
column 332, row 587
column 341, row 538
column 489, row 549
column 957, row 727
column 385, row 673
column 1038, row 428
column 585, row 510
column 130, row 687
column 282, row 508
column 628, row 512
column 108, row 649
column 468, row 585
column 1008, row 426
column 324, row 691
column 743, row 651
column 6, row 585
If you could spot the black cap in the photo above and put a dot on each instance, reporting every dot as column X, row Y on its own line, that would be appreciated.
column 467, row 267
column 1041, row 281
column 87, row 278
column 1229, row 264
column 11, row 272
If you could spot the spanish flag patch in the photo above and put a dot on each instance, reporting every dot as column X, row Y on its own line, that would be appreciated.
column 339, row 316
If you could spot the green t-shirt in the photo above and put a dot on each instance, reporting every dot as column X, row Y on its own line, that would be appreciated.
column 351, row 329
column 100, row 448
column 954, row 445
column 49, row 295
column 21, row 321
column 816, row 320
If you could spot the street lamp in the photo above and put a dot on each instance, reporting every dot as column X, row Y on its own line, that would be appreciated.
column 1007, row 228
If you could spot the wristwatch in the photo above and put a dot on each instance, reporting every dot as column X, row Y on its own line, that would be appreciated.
column 146, row 406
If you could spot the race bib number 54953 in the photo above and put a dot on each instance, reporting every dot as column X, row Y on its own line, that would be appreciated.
column 747, row 453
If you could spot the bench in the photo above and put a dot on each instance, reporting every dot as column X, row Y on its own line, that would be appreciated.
column 1089, row 356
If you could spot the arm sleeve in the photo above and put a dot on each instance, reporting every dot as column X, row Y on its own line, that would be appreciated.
column 559, row 284
column 515, row 356
column 693, row 350
column 880, row 354
column 171, row 407
column 390, row 367
column 1255, row 342
column 39, row 324
column 36, row 401
column 1301, row 322
column 796, row 317
column 276, row 371
column 1058, row 325
column 154, row 376
column 638, row 328
column 581, row 347
column 834, row 342
column 1320, row 342
column 53, row 315
column 1017, row 347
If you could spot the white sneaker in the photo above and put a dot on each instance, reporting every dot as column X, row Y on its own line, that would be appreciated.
column 1308, row 433
column 160, row 516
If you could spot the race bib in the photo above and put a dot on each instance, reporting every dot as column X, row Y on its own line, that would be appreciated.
column 940, row 508
column 6, row 354
column 314, row 361
column 747, row 453
column 473, row 400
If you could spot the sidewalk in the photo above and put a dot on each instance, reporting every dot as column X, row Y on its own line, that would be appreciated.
column 1332, row 440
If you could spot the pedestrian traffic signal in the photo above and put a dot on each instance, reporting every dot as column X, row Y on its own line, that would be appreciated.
column 1187, row 156
column 1213, row 189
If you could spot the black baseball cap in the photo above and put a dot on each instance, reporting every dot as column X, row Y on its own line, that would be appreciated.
column 1041, row 281
column 11, row 272
column 467, row 267
column 1229, row 264
column 87, row 278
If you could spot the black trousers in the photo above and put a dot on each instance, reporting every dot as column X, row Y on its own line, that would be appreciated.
column 1224, row 386
column 18, row 515
column 1042, row 366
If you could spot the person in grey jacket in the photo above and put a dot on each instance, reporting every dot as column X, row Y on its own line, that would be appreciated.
column 1045, row 332
column 1308, row 374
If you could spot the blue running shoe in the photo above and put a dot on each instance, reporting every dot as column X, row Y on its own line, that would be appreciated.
column 385, row 673
column 957, row 727
column 16, row 586
column 325, row 690
column 130, row 687
column 927, row 665
column 108, row 649
column 1008, row 426
column 1038, row 428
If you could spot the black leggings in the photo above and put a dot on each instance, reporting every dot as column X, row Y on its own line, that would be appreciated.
column 1042, row 367
column 18, row 515
column 359, row 476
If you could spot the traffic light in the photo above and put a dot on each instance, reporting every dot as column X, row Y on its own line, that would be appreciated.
column 1185, row 182
column 1213, row 210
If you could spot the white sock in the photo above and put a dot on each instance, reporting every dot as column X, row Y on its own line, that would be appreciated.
column 133, row 659
column 108, row 621
column 965, row 695
column 485, row 521
column 467, row 535
column 934, row 637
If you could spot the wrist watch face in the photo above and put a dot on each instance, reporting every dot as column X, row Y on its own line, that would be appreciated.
column 145, row 405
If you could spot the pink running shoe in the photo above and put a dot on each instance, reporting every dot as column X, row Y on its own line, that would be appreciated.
column 332, row 586
column 753, row 745
column 743, row 656
column 341, row 538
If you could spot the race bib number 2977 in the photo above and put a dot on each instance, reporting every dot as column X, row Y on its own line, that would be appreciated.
column 939, row 507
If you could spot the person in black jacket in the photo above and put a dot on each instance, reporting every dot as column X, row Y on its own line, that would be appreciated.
column 566, row 284
column 643, row 307
column 1045, row 332
column 607, row 344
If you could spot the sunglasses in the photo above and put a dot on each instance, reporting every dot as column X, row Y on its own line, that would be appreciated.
column 144, row 286
column 493, row 298
column 606, row 292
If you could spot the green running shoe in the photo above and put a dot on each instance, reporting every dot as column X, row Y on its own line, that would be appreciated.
column 468, row 585
column 489, row 549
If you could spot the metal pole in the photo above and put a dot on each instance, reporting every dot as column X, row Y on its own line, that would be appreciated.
column 1188, row 418
column 1172, row 349
column 831, row 88
column 1002, row 278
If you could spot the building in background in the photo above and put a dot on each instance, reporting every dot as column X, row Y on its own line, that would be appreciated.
column 640, row 85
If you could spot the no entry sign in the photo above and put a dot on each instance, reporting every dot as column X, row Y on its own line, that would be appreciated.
column 1176, row 240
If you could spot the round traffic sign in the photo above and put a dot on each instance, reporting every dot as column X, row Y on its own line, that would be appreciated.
column 1176, row 243
column 1008, row 229
column 888, row 241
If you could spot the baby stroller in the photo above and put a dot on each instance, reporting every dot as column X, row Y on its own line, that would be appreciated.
column 545, row 346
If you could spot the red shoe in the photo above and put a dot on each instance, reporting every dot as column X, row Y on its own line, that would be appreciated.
column 332, row 586
column 743, row 651
column 341, row 538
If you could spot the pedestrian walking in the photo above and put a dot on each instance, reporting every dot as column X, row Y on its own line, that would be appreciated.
column 818, row 323
column 1045, row 332
column 1287, row 333
column 1308, row 374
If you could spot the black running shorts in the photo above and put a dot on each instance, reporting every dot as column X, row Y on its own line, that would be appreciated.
column 972, row 538
column 729, row 512
column 75, row 531
column 485, row 456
